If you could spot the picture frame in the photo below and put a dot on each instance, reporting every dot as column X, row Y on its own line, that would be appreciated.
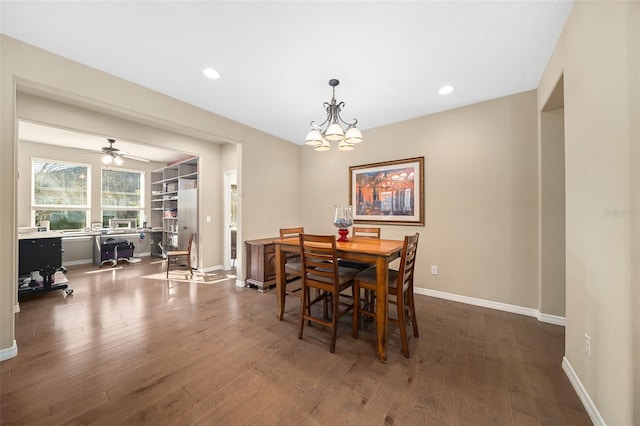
column 389, row 192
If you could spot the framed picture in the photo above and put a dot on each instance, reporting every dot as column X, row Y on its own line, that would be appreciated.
column 391, row 192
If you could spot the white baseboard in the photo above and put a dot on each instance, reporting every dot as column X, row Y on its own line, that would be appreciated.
column 596, row 418
column 240, row 283
column 9, row 352
column 530, row 312
column 16, row 308
column 212, row 268
column 552, row 319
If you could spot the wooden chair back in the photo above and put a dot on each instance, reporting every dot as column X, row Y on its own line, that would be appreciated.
column 408, row 262
column 319, row 261
column 291, row 232
column 365, row 232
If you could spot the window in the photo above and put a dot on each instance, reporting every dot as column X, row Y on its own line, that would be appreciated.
column 122, row 195
column 60, row 194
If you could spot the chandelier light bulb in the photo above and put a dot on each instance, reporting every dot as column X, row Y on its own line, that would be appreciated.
column 325, row 146
column 334, row 133
column 345, row 146
column 353, row 136
column 314, row 138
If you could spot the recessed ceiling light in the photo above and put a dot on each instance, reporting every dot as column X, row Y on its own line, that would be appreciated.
column 211, row 73
column 445, row 90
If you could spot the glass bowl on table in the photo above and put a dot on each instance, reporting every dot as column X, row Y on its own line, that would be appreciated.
column 343, row 219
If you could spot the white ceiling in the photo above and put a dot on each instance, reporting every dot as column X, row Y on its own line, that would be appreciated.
column 276, row 57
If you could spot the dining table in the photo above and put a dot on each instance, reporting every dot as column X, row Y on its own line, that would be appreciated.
column 378, row 252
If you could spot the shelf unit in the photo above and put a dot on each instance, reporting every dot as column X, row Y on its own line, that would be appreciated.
column 173, row 191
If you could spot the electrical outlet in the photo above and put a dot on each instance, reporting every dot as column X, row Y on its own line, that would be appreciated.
column 587, row 346
column 434, row 270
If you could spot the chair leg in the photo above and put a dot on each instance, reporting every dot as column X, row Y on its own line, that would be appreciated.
column 401, row 323
column 303, row 306
column 356, row 308
column 168, row 264
column 334, row 322
column 412, row 310
column 325, row 305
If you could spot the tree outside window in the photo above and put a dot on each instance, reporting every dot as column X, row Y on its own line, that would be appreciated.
column 122, row 195
column 60, row 194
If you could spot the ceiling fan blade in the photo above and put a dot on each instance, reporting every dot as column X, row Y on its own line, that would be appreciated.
column 132, row 157
column 89, row 153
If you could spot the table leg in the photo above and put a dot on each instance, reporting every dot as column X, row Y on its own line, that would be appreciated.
column 280, row 280
column 382, row 303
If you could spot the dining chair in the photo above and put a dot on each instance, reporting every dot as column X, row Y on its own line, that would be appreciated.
column 400, row 285
column 180, row 256
column 292, row 266
column 321, row 271
column 359, row 232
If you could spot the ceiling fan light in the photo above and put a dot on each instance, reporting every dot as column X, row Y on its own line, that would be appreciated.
column 107, row 159
column 118, row 160
column 353, row 136
column 314, row 138
column 334, row 132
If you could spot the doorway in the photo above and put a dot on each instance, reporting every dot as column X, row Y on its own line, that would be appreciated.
column 230, row 208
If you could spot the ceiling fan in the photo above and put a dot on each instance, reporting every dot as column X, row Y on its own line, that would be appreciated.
column 112, row 155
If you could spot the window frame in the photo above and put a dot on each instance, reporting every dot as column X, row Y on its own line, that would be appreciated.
column 140, row 209
column 60, row 207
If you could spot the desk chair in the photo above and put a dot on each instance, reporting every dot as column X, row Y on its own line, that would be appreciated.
column 321, row 271
column 180, row 256
column 400, row 286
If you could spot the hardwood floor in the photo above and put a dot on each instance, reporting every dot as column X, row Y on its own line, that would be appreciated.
column 124, row 349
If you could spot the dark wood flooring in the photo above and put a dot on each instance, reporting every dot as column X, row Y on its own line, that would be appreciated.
column 128, row 350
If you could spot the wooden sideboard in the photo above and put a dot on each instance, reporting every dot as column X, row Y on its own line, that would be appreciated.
column 261, row 263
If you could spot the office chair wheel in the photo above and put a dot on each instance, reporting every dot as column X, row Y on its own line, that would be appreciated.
column 68, row 291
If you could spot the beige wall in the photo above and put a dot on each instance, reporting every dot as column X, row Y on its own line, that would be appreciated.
column 598, row 56
column 264, row 161
column 552, row 213
column 481, row 202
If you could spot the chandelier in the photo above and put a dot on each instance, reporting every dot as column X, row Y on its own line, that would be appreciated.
column 331, row 129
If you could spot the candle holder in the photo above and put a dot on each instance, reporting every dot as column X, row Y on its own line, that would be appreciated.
column 343, row 219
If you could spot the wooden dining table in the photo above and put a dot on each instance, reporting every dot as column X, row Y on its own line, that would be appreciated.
column 370, row 250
